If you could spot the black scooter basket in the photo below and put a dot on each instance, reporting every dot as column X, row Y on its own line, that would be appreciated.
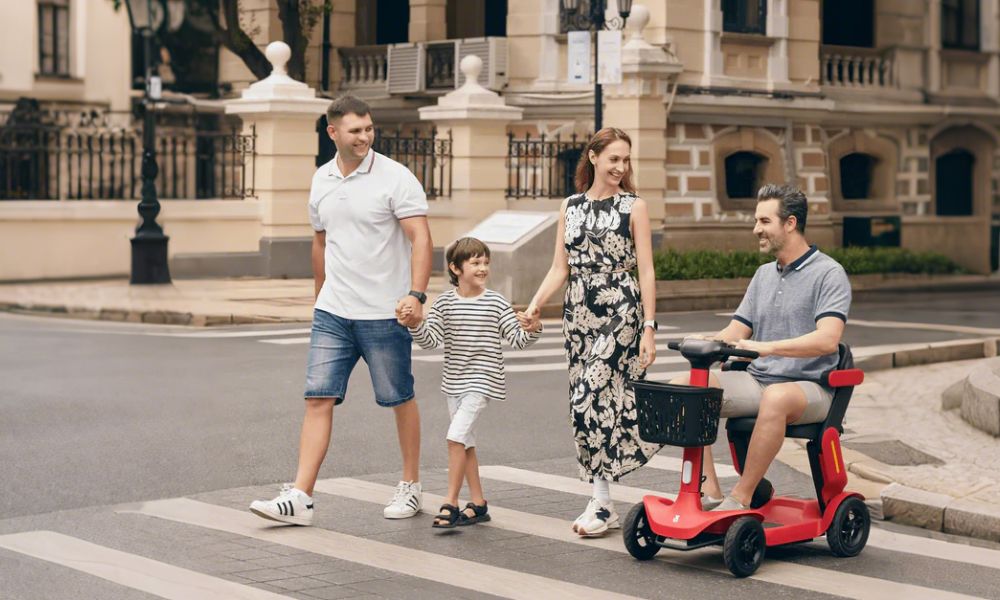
column 677, row 415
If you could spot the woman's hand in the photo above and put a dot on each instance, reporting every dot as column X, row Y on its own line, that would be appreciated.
column 530, row 319
column 647, row 347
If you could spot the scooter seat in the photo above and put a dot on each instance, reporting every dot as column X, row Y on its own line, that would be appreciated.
column 807, row 431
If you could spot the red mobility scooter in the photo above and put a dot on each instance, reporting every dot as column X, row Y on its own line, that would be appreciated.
column 688, row 416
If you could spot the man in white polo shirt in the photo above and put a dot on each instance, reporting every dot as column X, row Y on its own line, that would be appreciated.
column 371, row 260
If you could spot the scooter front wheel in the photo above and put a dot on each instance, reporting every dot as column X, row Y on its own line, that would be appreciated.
column 848, row 532
column 743, row 550
column 640, row 541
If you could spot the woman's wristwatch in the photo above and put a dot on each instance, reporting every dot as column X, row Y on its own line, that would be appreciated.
column 650, row 323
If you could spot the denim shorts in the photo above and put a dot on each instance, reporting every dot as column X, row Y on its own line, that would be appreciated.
column 336, row 345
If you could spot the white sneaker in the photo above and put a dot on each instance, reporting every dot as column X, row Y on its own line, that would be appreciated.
column 291, row 506
column 406, row 502
column 587, row 515
column 604, row 518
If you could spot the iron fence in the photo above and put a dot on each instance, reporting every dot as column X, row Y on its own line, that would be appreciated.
column 427, row 156
column 97, row 156
column 542, row 168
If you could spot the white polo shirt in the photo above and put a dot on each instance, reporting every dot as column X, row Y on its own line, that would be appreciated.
column 367, row 254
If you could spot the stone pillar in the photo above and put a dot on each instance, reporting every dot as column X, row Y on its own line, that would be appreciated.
column 428, row 20
column 476, row 119
column 282, row 113
column 639, row 106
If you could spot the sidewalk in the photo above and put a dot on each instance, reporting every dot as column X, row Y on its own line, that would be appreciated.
column 925, row 465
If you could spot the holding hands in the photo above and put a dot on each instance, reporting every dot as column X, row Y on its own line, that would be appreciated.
column 530, row 319
column 409, row 311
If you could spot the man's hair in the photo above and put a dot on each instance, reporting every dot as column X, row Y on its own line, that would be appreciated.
column 346, row 104
column 462, row 250
column 791, row 202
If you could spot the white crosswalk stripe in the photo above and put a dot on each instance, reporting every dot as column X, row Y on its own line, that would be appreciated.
column 814, row 579
column 129, row 570
column 457, row 572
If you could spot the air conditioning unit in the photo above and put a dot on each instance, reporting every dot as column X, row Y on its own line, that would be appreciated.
column 493, row 52
column 406, row 68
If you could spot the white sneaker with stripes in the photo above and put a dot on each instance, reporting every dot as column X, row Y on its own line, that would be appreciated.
column 291, row 506
column 405, row 502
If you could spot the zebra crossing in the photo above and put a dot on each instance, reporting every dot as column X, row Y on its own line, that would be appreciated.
column 356, row 545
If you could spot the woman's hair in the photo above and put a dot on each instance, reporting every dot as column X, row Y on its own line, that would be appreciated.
column 585, row 170
column 461, row 250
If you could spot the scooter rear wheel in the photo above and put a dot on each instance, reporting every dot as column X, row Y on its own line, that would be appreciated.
column 640, row 541
column 848, row 532
column 743, row 550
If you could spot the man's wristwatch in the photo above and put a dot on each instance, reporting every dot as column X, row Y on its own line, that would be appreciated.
column 419, row 296
column 650, row 323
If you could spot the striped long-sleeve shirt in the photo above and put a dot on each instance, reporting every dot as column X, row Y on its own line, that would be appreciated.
column 471, row 330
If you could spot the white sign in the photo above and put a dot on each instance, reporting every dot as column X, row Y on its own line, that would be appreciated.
column 578, row 56
column 506, row 227
column 609, row 57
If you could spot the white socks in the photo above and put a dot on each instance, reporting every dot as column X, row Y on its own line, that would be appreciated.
column 602, row 490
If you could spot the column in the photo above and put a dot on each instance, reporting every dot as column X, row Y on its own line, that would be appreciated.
column 639, row 106
column 283, row 114
column 477, row 120
column 428, row 20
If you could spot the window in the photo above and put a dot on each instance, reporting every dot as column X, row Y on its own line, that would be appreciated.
column 53, row 37
column 856, row 174
column 744, row 16
column 744, row 174
column 849, row 23
column 960, row 24
column 953, row 185
column 392, row 21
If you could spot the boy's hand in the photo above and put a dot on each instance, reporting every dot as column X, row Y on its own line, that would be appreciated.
column 531, row 326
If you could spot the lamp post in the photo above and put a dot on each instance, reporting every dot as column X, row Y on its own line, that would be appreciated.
column 594, row 20
column 149, row 246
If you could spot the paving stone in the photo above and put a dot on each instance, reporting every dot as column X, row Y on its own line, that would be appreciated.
column 914, row 507
column 297, row 584
column 248, row 554
column 348, row 577
column 335, row 593
column 262, row 575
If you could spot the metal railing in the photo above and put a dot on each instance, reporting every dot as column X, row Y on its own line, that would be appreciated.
column 426, row 155
column 97, row 156
column 542, row 168
column 440, row 66
column 850, row 67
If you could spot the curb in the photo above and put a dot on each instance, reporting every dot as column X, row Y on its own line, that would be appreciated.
column 940, row 512
column 154, row 317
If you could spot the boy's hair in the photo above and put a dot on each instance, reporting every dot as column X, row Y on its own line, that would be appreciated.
column 462, row 250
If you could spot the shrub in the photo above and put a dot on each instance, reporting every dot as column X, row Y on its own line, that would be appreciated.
column 712, row 264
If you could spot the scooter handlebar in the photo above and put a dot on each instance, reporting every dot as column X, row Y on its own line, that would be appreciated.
column 740, row 353
column 717, row 349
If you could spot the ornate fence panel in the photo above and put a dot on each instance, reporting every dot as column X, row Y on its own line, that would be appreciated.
column 97, row 156
column 541, row 167
column 426, row 155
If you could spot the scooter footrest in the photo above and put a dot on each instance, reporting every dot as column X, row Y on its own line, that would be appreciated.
column 699, row 541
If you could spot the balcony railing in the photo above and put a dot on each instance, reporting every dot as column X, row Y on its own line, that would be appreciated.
column 364, row 66
column 848, row 67
column 542, row 167
column 440, row 66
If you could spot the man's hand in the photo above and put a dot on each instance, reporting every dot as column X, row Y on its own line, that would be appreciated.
column 647, row 347
column 409, row 311
column 761, row 348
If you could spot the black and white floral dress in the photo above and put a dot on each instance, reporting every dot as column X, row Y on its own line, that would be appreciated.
column 602, row 323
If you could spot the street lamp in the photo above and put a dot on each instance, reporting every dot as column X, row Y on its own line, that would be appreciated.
column 149, row 246
column 594, row 20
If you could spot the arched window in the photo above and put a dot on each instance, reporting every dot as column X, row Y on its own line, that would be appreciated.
column 953, row 183
column 856, row 173
column 744, row 174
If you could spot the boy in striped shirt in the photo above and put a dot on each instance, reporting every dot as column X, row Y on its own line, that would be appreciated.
column 469, row 321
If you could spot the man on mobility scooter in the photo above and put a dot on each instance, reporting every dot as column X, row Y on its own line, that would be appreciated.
column 790, row 321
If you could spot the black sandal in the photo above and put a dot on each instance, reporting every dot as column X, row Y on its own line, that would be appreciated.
column 479, row 514
column 448, row 517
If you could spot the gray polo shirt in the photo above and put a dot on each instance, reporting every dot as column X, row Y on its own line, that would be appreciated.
column 783, row 303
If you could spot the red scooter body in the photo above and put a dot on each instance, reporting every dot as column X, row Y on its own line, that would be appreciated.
column 682, row 524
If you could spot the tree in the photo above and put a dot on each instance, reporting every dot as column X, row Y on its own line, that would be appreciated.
column 221, row 19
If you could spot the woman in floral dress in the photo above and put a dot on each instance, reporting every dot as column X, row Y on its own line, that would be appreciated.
column 603, row 235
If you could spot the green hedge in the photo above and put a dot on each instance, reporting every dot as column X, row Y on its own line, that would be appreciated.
column 711, row 264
